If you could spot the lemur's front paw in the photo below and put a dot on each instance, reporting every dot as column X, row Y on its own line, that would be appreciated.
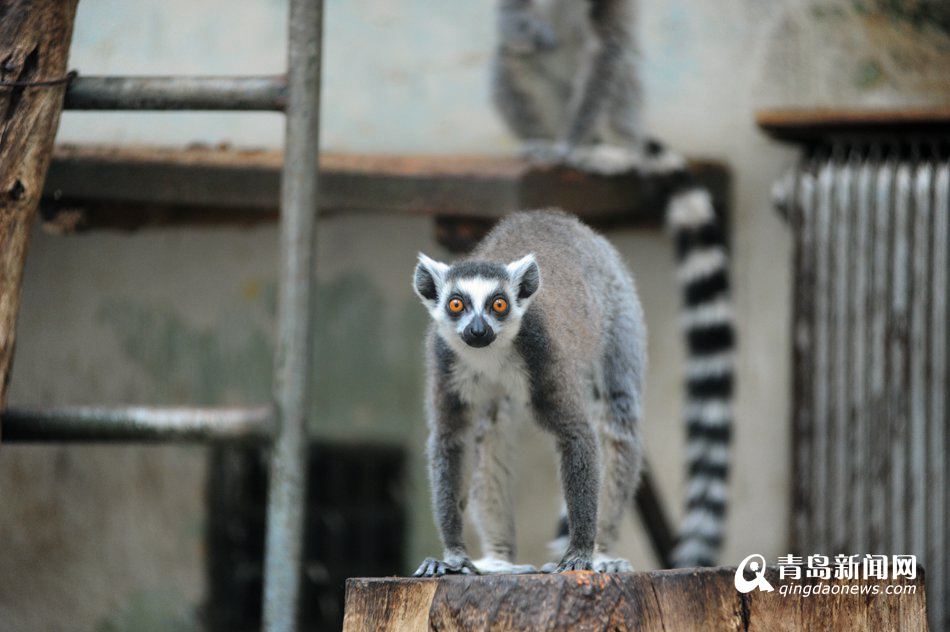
column 611, row 565
column 570, row 562
column 452, row 565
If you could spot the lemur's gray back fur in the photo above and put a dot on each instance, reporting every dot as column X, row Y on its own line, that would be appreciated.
column 564, row 74
column 589, row 284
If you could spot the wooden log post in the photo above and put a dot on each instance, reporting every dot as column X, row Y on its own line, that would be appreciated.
column 668, row 601
column 34, row 47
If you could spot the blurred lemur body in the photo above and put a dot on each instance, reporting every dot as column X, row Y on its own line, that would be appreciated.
column 543, row 322
column 565, row 82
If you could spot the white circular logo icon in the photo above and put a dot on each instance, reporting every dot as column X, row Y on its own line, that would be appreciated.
column 756, row 564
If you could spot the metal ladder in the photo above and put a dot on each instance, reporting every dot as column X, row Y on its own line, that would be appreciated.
column 283, row 422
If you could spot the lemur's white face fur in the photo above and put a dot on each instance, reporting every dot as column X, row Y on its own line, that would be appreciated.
column 477, row 304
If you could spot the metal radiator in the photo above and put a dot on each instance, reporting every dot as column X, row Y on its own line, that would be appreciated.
column 870, row 336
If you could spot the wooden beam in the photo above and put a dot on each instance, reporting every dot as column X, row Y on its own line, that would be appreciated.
column 92, row 187
column 680, row 600
column 814, row 124
column 34, row 47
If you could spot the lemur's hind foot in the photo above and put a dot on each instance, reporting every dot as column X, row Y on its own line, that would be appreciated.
column 547, row 153
column 453, row 565
column 604, row 564
column 607, row 160
column 498, row 566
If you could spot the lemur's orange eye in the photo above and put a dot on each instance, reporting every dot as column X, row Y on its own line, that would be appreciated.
column 500, row 305
column 456, row 305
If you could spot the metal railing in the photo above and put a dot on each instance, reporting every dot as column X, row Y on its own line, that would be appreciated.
column 871, row 223
column 177, row 93
column 284, row 421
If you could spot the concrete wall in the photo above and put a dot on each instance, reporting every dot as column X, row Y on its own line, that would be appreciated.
column 110, row 538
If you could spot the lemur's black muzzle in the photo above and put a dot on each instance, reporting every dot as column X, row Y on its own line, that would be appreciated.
column 478, row 333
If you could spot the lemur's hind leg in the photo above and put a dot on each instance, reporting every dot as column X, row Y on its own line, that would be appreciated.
column 529, row 104
column 618, row 146
column 492, row 498
column 621, row 451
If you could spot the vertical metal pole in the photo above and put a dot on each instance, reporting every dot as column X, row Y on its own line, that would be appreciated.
column 298, row 205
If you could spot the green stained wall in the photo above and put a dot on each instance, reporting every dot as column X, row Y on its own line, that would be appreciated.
column 367, row 354
column 188, row 318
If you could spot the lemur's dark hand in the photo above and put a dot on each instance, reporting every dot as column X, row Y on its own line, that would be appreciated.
column 451, row 565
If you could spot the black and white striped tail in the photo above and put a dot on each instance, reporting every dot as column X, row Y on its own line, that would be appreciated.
column 708, row 326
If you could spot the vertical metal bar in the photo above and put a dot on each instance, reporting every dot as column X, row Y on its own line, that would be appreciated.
column 861, row 391
column 822, row 374
column 938, row 557
column 919, row 348
column 898, row 357
column 298, row 204
column 803, row 499
column 841, row 325
column 878, row 432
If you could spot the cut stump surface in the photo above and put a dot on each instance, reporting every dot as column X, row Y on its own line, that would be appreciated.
column 669, row 601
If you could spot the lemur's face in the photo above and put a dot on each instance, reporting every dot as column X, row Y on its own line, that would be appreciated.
column 477, row 303
column 522, row 31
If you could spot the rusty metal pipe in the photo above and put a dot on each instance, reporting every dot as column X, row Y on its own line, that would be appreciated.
column 265, row 93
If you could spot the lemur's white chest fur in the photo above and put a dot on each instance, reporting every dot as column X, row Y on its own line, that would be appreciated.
column 485, row 377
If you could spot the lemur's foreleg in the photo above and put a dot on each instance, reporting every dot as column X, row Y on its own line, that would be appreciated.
column 448, row 429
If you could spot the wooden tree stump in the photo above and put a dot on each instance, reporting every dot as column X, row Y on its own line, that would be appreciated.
column 667, row 601
column 34, row 47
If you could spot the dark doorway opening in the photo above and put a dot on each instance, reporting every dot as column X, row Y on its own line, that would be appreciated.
column 355, row 525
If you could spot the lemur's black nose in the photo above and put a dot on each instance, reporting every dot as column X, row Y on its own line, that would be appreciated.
column 477, row 334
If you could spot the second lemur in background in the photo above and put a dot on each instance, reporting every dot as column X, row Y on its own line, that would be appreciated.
column 565, row 82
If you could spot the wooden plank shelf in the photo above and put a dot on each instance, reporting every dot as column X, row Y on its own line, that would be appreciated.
column 668, row 601
column 92, row 187
column 808, row 125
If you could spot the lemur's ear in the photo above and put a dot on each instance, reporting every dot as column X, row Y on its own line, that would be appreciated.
column 429, row 279
column 525, row 276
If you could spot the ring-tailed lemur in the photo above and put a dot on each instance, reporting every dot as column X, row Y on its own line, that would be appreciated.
column 566, row 84
column 565, row 81
column 542, row 322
